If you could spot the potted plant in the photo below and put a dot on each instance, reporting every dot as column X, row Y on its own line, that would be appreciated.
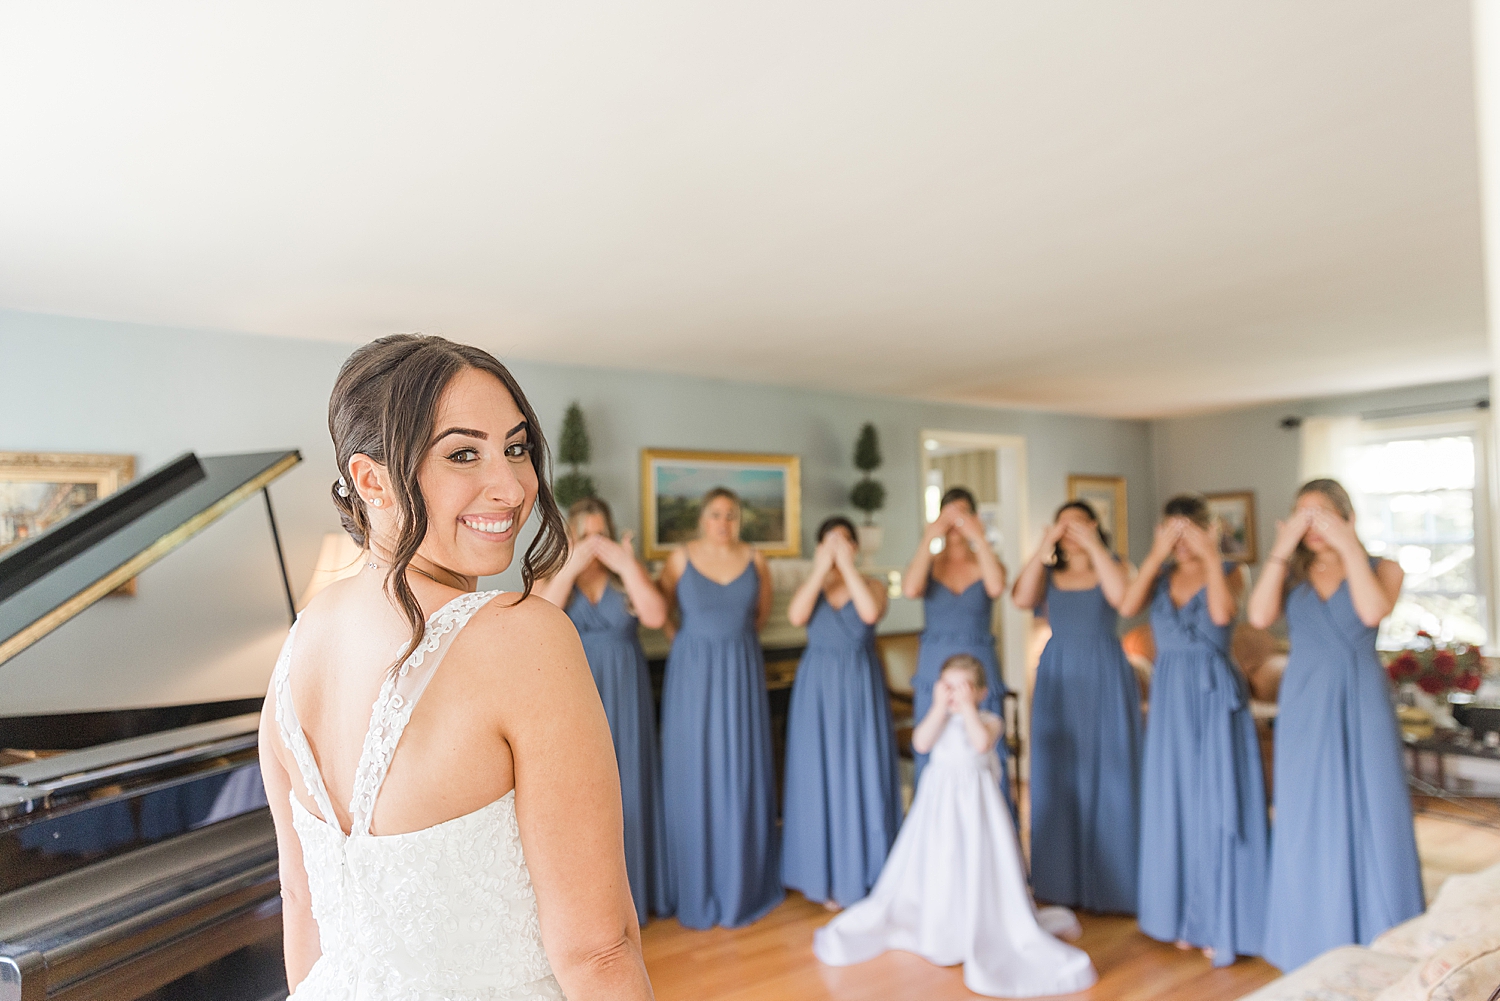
column 573, row 449
column 868, row 494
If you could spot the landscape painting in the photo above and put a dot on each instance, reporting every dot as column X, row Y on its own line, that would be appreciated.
column 1235, row 513
column 1106, row 495
column 674, row 481
column 40, row 489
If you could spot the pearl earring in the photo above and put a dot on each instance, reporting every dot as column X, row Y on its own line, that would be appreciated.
column 376, row 501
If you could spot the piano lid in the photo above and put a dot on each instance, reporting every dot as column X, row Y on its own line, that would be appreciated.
column 47, row 580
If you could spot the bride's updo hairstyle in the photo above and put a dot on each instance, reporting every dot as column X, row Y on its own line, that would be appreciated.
column 384, row 405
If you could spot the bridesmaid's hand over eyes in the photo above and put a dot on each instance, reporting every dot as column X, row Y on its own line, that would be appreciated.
column 616, row 556
column 1289, row 533
column 843, row 550
column 1204, row 543
column 1165, row 539
column 823, row 556
column 582, row 552
column 1339, row 534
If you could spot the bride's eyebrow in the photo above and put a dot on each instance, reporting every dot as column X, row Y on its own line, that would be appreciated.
column 470, row 432
column 523, row 426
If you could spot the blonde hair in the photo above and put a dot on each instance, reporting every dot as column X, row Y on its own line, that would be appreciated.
column 968, row 664
column 581, row 509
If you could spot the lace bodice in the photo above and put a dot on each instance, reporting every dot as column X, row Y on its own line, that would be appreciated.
column 446, row 912
column 952, row 750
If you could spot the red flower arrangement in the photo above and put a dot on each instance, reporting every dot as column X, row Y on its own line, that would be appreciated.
column 1437, row 668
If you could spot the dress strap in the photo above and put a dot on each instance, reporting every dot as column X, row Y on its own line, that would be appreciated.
column 398, row 697
column 291, row 731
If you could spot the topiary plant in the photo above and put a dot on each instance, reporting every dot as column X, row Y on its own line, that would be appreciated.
column 868, row 494
column 573, row 450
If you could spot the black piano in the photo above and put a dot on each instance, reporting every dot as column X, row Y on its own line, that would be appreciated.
column 135, row 845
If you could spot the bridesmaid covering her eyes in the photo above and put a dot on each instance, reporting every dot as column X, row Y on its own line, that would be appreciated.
column 1343, row 853
column 958, row 588
column 1085, row 721
column 1203, row 800
column 608, row 594
column 723, row 862
column 843, row 797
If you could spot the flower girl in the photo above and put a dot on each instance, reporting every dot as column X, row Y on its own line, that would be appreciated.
column 954, row 888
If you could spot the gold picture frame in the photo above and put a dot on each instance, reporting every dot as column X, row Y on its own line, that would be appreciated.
column 1106, row 495
column 1234, row 510
column 40, row 489
column 673, row 482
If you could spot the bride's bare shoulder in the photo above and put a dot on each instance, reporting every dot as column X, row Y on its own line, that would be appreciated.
column 523, row 628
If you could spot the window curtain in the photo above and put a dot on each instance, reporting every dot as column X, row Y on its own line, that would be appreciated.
column 1327, row 443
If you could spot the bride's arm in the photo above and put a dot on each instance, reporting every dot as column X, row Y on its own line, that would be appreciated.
column 567, row 801
column 298, row 929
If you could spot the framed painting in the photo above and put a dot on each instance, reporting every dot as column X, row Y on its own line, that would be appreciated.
column 673, row 482
column 39, row 489
column 1235, row 513
column 1106, row 495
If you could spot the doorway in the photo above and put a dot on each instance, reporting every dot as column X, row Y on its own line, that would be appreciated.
column 993, row 468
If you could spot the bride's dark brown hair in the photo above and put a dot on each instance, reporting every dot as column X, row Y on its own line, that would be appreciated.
column 384, row 405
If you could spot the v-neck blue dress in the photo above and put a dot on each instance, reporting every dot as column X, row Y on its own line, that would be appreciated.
column 1085, row 759
column 612, row 643
column 1344, row 862
column 957, row 623
column 842, row 804
column 718, row 785
column 1203, row 803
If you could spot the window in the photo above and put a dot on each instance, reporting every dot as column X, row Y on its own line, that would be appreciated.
column 1417, row 489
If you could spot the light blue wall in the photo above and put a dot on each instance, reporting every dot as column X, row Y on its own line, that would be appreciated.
column 208, row 619
column 1248, row 449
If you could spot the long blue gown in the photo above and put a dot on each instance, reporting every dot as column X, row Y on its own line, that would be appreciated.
column 957, row 623
column 612, row 643
column 1344, row 862
column 1203, row 800
column 1085, row 759
column 718, row 786
column 842, row 805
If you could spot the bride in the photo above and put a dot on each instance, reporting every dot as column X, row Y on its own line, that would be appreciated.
column 438, row 764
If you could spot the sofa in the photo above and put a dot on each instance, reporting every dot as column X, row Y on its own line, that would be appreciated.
column 1451, row 953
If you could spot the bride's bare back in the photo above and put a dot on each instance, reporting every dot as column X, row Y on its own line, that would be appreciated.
column 453, row 756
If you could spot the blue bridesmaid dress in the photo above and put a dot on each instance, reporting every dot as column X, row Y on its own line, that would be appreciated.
column 1344, row 862
column 1203, row 800
column 613, row 645
column 957, row 623
column 719, row 789
column 843, row 797
column 1085, row 759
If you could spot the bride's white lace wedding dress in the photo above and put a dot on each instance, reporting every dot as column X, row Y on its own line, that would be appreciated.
column 444, row 913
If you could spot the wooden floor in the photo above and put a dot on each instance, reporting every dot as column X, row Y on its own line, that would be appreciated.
column 772, row 960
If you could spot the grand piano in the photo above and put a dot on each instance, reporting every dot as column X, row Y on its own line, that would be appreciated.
column 135, row 845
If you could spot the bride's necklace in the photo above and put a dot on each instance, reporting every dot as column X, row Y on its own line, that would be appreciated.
column 376, row 566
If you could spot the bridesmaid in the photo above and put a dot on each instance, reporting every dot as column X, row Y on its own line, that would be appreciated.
column 843, row 796
column 1085, row 722
column 719, row 787
column 1203, row 800
column 1343, row 853
column 608, row 595
column 958, row 588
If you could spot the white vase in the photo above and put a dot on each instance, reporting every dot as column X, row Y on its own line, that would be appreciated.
column 871, row 538
column 1437, row 706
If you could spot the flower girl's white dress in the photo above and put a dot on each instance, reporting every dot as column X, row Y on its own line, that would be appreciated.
column 953, row 889
column 446, row 913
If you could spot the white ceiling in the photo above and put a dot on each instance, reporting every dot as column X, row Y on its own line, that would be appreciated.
column 1126, row 208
